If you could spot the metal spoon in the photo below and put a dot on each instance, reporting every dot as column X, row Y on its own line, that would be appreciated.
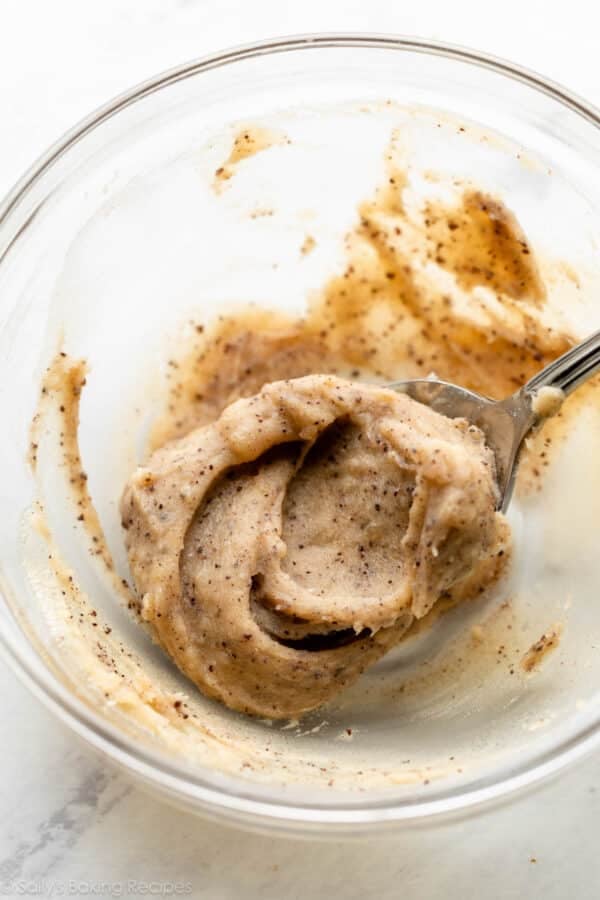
column 506, row 423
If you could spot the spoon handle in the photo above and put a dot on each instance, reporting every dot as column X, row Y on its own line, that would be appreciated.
column 569, row 370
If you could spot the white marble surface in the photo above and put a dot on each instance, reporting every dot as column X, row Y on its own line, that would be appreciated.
column 69, row 824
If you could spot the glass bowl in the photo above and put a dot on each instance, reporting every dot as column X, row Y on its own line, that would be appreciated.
column 115, row 238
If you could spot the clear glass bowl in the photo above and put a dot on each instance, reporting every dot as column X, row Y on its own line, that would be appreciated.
column 112, row 239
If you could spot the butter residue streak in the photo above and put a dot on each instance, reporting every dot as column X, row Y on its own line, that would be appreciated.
column 481, row 242
column 248, row 141
column 60, row 396
column 538, row 651
column 308, row 245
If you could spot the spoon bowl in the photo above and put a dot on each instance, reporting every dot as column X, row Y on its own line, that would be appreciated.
column 506, row 423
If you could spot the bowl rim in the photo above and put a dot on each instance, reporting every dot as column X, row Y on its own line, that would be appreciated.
column 153, row 767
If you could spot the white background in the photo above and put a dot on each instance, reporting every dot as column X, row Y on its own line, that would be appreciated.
column 66, row 818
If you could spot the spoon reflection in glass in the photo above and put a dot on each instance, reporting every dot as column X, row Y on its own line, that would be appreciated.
column 506, row 423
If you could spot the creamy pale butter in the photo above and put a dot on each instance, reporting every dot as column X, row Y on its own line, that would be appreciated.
column 284, row 548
